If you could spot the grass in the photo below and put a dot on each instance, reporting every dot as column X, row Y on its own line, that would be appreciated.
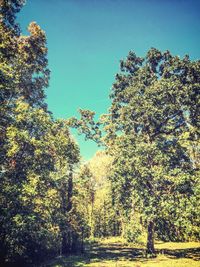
column 115, row 253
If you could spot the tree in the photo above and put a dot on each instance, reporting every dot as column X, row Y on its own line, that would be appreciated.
column 95, row 199
column 155, row 107
column 106, row 221
column 28, row 164
column 26, row 158
column 66, row 154
column 153, row 104
column 38, row 154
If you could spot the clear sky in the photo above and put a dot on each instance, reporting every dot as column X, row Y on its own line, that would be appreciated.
column 87, row 38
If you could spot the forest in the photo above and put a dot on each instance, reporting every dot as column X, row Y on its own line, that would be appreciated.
column 142, row 187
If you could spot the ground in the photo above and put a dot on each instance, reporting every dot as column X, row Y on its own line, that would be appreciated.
column 115, row 253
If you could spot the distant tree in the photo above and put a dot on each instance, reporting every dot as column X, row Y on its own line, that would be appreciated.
column 95, row 199
column 107, row 221
column 86, row 188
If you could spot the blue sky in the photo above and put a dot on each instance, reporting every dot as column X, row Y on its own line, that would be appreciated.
column 87, row 38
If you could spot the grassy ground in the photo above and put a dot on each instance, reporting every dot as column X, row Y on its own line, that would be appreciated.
column 115, row 253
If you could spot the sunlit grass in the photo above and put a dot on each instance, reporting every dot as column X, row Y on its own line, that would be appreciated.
column 158, row 262
column 113, row 252
column 177, row 245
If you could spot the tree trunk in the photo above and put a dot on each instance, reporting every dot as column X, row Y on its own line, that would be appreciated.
column 65, row 248
column 122, row 227
column 91, row 220
column 104, row 220
column 2, row 254
column 150, row 239
column 74, row 245
column 70, row 190
column 66, row 200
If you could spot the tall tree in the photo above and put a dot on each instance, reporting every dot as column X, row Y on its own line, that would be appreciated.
column 155, row 107
column 37, row 155
column 154, row 101
column 24, row 124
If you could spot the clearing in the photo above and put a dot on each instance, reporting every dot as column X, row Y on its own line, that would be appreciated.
column 115, row 253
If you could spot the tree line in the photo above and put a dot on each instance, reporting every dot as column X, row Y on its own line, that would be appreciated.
column 144, row 184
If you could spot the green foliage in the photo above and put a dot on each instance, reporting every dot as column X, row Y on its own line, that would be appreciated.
column 37, row 154
column 152, row 133
column 148, row 177
column 154, row 110
column 94, row 197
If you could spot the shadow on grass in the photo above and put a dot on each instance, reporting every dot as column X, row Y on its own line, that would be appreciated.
column 70, row 261
column 191, row 253
column 117, row 252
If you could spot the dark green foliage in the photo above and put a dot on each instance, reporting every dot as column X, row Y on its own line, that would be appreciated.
column 8, row 10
